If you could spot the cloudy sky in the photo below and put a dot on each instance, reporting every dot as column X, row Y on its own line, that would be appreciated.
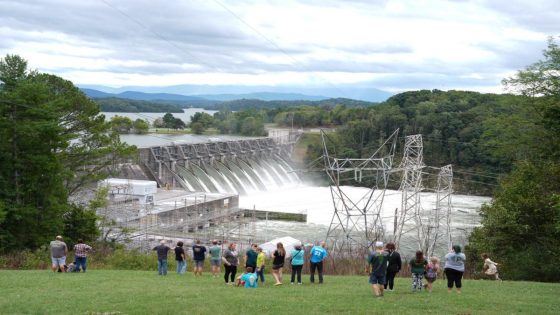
column 391, row 45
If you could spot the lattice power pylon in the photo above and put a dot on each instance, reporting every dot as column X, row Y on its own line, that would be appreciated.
column 356, row 222
column 411, row 185
column 444, row 202
column 434, row 224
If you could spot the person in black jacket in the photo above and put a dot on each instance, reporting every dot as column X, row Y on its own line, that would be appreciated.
column 394, row 267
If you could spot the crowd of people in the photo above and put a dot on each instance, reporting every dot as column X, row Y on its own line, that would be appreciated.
column 254, row 262
column 384, row 263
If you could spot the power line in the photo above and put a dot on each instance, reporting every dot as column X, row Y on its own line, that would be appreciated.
column 158, row 35
column 277, row 47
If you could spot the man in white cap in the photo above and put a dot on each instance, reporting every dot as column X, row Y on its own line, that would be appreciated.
column 59, row 250
column 378, row 262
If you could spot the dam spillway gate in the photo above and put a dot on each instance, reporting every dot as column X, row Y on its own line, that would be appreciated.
column 239, row 166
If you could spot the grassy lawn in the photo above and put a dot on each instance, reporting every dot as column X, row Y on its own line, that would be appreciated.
column 142, row 292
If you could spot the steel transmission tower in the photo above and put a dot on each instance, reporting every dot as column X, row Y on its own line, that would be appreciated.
column 356, row 222
column 443, row 202
column 411, row 185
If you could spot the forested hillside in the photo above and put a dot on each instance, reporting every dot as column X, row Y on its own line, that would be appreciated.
column 260, row 104
column 115, row 104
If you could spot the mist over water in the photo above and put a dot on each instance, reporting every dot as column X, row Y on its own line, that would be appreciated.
column 317, row 203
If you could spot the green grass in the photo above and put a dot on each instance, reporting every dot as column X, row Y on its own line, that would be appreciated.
column 142, row 292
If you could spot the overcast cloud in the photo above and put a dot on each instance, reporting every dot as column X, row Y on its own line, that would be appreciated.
column 390, row 45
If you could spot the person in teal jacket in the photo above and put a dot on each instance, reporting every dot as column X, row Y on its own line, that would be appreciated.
column 298, row 255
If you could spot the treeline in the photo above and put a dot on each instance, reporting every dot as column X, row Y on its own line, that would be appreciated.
column 521, row 227
column 242, row 104
column 115, row 104
column 53, row 143
column 457, row 128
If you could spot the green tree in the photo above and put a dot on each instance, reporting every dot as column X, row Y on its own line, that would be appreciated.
column 197, row 128
column 141, row 126
column 121, row 124
column 203, row 118
column 522, row 225
column 53, row 141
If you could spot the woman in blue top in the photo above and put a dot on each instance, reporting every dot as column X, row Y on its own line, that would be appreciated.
column 454, row 268
column 298, row 255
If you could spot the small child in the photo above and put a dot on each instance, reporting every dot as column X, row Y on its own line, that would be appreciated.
column 490, row 268
column 432, row 270
column 261, row 257
column 417, row 268
column 72, row 267
column 248, row 279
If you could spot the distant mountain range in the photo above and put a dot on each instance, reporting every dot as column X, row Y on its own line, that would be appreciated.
column 180, row 93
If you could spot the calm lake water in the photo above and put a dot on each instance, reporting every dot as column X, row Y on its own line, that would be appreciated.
column 184, row 116
column 150, row 140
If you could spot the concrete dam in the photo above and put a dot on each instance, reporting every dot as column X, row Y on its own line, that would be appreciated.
column 239, row 167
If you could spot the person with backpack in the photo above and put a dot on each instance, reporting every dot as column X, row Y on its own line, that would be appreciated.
column 298, row 255
column 378, row 261
column 432, row 270
column 395, row 264
column 417, row 268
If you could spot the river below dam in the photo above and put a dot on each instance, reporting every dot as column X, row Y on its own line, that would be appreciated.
column 317, row 203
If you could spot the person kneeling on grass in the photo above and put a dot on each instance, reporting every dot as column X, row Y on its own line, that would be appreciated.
column 378, row 262
column 248, row 279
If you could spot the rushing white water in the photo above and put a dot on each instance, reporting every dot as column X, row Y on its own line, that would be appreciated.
column 317, row 203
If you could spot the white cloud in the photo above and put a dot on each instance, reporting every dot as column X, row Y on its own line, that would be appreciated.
column 395, row 45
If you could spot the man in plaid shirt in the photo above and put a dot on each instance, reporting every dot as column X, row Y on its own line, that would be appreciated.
column 80, row 252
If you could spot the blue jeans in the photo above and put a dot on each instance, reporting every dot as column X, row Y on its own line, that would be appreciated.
column 162, row 267
column 181, row 266
column 260, row 274
column 81, row 261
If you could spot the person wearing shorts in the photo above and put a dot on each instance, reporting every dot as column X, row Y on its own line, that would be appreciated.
column 59, row 250
column 199, row 253
column 378, row 261
column 279, row 256
column 215, row 257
